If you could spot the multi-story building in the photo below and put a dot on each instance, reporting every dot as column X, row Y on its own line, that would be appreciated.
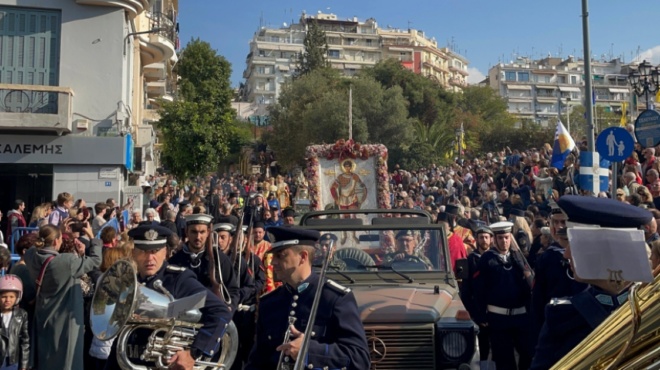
column 352, row 46
column 76, row 77
column 537, row 90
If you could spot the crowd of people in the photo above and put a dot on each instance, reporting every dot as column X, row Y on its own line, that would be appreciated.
column 515, row 269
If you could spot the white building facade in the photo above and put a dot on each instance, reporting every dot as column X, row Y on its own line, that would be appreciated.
column 535, row 89
column 73, row 95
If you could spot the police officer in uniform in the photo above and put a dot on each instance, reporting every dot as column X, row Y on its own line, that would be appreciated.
column 153, row 270
column 337, row 336
column 569, row 320
column 484, row 242
column 553, row 278
column 502, row 296
column 194, row 256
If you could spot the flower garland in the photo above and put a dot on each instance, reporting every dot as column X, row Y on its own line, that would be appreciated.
column 341, row 150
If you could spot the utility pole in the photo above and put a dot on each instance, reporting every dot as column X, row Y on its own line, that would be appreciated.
column 350, row 112
column 588, row 87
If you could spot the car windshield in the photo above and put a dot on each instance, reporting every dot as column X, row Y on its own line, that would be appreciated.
column 398, row 248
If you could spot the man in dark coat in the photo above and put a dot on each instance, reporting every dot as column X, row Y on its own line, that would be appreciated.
column 194, row 257
column 484, row 241
column 155, row 273
column 502, row 296
column 337, row 340
column 569, row 320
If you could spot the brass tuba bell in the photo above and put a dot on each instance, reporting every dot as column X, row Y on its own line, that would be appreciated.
column 121, row 308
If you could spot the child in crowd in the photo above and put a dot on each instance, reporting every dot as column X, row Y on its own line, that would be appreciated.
column 15, row 351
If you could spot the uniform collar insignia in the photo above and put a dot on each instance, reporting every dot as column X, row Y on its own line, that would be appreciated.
column 302, row 287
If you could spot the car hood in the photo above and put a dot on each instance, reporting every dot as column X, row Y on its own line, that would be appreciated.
column 401, row 304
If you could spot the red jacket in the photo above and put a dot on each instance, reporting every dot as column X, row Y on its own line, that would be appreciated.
column 456, row 249
column 14, row 219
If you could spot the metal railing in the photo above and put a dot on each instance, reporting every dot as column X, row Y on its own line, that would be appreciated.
column 165, row 24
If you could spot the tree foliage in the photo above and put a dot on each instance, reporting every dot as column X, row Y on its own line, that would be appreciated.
column 313, row 109
column 198, row 124
column 315, row 53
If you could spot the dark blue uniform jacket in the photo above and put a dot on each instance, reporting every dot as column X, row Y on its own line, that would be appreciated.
column 337, row 339
column 569, row 321
column 181, row 282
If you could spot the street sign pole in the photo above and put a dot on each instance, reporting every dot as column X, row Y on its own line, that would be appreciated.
column 615, row 179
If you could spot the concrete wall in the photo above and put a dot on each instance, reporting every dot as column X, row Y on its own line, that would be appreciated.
column 92, row 60
column 85, row 181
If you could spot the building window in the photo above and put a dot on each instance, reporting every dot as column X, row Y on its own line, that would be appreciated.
column 368, row 41
column 350, row 41
column 274, row 39
column 523, row 76
column 333, row 53
column 510, row 76
column 574, row 80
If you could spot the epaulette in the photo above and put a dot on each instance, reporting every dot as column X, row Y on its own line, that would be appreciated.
column 338, row 287
column 174, row 268
column 560, row 301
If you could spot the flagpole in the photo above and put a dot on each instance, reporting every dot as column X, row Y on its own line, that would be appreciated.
column 588, row 88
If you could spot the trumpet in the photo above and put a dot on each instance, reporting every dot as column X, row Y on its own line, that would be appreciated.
column 287, row 339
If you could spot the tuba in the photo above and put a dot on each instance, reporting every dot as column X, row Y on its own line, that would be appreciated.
column 629, row 339
column 161, row 326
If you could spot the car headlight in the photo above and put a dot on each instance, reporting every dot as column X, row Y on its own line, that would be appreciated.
column 453, row 345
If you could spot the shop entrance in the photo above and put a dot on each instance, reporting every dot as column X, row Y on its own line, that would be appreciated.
column 32, row 183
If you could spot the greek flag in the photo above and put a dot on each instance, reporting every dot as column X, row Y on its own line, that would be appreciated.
column 594, row 172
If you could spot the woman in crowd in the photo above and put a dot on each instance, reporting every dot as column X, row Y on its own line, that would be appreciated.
column 20, row 269
column 59, row 315
column 655, row 254
column 646, row 197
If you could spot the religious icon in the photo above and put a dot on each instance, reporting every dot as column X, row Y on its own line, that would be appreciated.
column 348, row 190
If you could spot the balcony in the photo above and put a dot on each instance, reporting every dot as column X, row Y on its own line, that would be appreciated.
column 150, row 115
column 154, row 72
column 457, row 82
column 156, row 89
column 36, row 107
column 133, row 7
column 159, row 46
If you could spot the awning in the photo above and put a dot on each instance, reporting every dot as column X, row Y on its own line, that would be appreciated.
column 615, row 90
column 353, row 66
column 337, row 65
column 519, row 87
column 550, row 87
column 518, row 100
column 264, row 62
column 569, row 89
column 400, row 49
column 283, row 68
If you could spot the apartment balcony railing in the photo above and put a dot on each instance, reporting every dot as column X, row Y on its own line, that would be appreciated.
column 36, row 107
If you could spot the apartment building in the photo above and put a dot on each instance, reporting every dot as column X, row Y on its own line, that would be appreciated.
column 76, row 79
column 352, row 46
column 535, row 89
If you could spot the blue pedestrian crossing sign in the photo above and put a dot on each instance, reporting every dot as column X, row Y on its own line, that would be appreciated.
column 615, row 144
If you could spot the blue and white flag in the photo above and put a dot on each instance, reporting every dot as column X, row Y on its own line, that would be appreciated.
column 113, row 222
column 562, row 147
column 594, row 172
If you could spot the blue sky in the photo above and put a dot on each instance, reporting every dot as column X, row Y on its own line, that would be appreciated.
column 485, row 31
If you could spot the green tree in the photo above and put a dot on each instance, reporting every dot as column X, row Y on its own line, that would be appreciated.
column 313, row 109
column 578, row 123
column 315, row 54
column 197, row 126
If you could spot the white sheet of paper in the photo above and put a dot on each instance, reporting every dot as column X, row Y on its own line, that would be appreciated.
column 601, row 253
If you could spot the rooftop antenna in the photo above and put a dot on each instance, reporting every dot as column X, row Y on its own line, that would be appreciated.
column 409, row 23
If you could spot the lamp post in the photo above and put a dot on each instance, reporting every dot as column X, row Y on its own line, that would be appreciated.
column 644, row 81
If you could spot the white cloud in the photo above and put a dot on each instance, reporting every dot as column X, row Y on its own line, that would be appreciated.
column 475, row 76
column 651, row 55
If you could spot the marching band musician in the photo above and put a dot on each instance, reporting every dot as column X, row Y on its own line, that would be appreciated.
column 502, row 296
column 194, row 256
column 149, row 256
column 553, row 278
column 337, row 337
column 484, row 242
column 568, row 320
column 252, row 279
